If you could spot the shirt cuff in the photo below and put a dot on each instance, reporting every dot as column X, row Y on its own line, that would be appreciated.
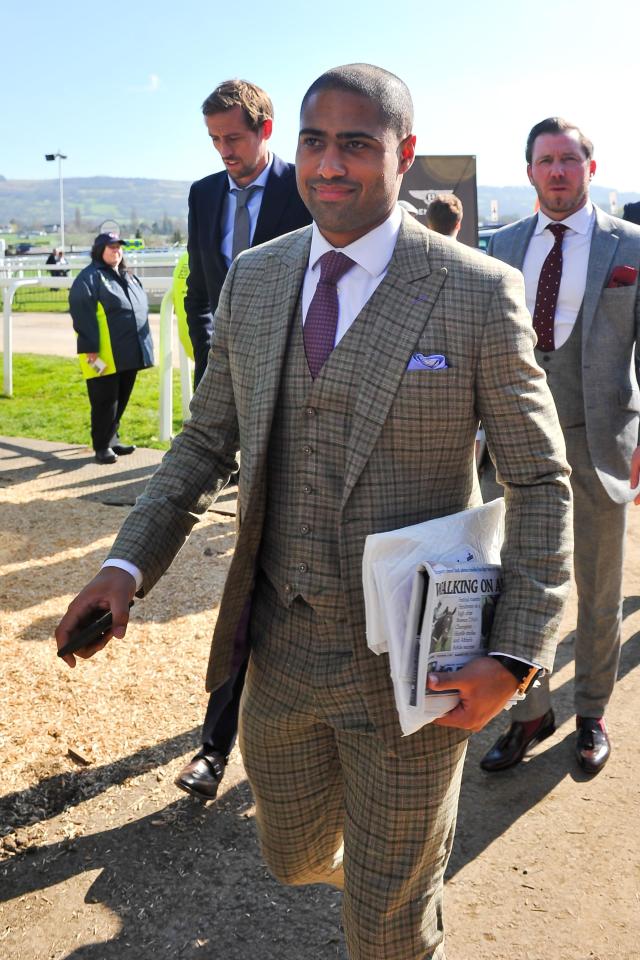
column 128, row 567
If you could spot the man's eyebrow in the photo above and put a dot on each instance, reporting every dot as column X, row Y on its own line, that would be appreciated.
column 344, row 135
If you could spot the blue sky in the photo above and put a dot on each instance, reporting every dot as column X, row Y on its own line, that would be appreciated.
column 118, row 87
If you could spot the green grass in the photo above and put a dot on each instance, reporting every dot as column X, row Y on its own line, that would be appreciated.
column 50, row 402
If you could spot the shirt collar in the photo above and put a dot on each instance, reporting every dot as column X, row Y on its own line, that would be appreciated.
column 372, row 252
column 580, row 221
column 260, row 180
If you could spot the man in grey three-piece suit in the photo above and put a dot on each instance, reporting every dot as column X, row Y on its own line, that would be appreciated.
column 580, row 268
column 318, row 374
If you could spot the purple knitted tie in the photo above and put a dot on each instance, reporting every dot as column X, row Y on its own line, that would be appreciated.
column 548, row 287
column 319, row 331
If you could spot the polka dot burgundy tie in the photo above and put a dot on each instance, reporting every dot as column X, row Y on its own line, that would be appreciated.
column 547, row 294
column 319, row 331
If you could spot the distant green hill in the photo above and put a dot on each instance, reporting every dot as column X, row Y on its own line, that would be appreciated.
column 33, row 203
column 92, row 200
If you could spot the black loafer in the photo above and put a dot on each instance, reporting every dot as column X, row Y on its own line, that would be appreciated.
column 201, row 777
column 593, row 747
column 510, row 748
column 108, row 455
column 123, row 449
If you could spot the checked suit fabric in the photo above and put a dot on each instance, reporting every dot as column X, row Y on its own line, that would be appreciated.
column 548, row 287
column 322, row 316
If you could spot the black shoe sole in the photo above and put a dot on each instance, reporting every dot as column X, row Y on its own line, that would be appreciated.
column 203, row 798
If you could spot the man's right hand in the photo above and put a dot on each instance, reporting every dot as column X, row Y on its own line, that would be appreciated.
column 112, row 589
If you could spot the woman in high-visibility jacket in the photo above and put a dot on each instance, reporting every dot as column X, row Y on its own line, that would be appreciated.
column 110, row 314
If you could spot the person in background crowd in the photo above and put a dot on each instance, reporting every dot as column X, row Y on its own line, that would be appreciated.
column 110, row 315
column 316, row 373
column 444, row 215
column 57, row 256
column 580, row 269
column 253, row 200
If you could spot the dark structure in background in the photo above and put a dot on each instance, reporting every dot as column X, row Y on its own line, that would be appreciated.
column 433, row 175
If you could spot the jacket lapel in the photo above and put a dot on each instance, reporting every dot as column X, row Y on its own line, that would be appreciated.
column 280, row 285
column 604, row 244
column 399, row 309
column 276, row 193
column 516, row 250
column 219, row 191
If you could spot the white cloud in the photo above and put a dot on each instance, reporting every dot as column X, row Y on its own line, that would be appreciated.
column 151, row 86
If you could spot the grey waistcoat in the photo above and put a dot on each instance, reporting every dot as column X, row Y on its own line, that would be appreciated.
column 564, row 375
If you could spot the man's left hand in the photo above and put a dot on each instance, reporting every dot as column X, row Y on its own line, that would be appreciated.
column 635, row 472
column 485, row 687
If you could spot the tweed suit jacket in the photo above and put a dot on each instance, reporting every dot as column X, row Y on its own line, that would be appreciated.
column 437, row 297
column 281, row 211
column 610, row 328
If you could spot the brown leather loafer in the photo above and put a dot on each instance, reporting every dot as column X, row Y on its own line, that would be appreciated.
column 201, row 777
column 510, row 748
column 593, row 747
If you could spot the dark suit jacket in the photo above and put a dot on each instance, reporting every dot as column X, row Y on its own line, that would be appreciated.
column 281, row 211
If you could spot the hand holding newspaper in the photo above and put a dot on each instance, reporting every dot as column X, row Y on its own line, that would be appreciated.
column 430, row 590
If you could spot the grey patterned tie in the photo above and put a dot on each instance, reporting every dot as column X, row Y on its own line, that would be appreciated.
column 241, row 222
column 321, row 322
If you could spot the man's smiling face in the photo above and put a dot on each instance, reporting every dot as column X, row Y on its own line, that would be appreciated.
column 348, row 164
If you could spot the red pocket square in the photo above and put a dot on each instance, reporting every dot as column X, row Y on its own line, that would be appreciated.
column 622, row 277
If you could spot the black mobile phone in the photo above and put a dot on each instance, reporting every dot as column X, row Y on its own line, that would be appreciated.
column 90, row 633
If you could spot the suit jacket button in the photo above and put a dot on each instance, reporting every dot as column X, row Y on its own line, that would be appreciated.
column 307, row 450
column 302, row 568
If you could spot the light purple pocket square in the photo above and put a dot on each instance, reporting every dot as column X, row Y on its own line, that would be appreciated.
column 434, row 361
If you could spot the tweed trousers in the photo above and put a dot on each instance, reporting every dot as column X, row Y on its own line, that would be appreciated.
column 333, row 803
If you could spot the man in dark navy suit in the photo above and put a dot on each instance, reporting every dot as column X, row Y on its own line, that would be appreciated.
column 255, row 199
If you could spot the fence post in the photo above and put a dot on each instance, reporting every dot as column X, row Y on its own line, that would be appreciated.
column 166, row 358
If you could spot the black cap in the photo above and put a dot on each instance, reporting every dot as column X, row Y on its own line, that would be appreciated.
column 104, row 239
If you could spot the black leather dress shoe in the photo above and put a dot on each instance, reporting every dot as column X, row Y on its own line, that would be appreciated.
column 123, row 449
column 593, row 748
column 201, row 777
column 108, row 455
column 510, row 748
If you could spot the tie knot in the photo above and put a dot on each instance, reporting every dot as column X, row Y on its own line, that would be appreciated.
column 243, row 195
column 333, row 266
column 557, row 229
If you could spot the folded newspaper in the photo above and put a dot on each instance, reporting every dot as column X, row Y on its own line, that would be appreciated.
column 393, row 567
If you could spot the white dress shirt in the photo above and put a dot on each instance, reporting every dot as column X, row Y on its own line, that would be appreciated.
column 371, row 253
column 576, row 245
column 253, row 207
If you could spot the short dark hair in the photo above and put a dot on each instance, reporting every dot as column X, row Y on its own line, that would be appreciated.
column 255, row 103
column 444, row 213
column 557, row 125
column 365, row 80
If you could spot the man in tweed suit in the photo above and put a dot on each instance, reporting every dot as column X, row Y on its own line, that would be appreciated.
column 371, row 441
column 589, row 366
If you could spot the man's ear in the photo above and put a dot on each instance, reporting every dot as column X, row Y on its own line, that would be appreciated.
column 529, row 174
column 406, row 153
column 267, row 128
column 592, row 168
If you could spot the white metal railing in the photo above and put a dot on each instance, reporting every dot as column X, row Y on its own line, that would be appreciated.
column 155, row 284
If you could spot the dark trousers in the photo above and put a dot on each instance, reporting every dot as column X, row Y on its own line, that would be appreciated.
column 108, row 396
column 220, row 726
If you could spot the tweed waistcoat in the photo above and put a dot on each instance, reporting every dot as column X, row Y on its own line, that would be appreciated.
column 307, row 445
column 564, row 376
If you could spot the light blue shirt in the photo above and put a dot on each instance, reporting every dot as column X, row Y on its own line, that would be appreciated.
column 253, row 206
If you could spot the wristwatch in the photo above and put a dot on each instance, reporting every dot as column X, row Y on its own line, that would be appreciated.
column 525, row 673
